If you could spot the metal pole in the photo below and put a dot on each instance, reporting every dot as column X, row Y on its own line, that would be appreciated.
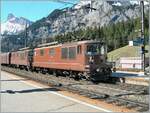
column 149, row 40
column 26, row 35
column 8, row 44
column 142, row 34
column 91, row 5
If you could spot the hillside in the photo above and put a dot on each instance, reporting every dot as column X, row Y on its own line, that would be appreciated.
column 126, row 51
column 65, row 20
column 112, row 24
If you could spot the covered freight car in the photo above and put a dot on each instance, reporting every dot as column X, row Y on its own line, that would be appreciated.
column 19, row 59
column 5, row 58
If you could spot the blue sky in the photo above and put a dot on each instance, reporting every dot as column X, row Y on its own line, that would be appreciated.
column 30, row 9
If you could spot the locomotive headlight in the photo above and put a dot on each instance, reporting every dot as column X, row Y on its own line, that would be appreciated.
column 87, row 66
column 91, row 59
column 98, row 70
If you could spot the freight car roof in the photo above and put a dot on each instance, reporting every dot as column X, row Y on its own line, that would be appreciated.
column 23, row 48
column 55, row 44
column 88, row 41
column 47, row 44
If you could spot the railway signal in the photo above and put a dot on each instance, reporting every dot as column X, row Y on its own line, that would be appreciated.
column 142, row 35
column 25, row 44
column 143, row 51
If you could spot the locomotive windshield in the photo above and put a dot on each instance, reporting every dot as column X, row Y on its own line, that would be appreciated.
column 95, row 48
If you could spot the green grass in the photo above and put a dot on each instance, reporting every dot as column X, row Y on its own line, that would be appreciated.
column 126, row 51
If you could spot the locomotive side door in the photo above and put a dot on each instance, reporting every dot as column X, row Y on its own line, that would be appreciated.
column 9, row 58
column 30, row 58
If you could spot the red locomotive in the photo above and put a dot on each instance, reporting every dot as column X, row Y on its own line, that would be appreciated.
column 83, row 59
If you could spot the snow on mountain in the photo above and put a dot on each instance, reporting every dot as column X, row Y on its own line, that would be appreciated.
column 114, row 3
column 14, row 25
column 136, row 2
column 117, row 4
column 70, row 19
column 82, row 3
column 127, row 3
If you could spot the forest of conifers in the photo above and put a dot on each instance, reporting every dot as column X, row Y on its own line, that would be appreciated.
column 115, row 35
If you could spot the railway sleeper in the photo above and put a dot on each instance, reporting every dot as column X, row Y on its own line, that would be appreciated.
column 120, row 103
column 89, row 95
column 142, row 109
column 44, row 71
column 108, row 100
column 104, row 96
column 130, row 106
column 83, row 93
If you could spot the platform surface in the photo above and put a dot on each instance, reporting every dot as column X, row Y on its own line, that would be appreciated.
column 17, row 95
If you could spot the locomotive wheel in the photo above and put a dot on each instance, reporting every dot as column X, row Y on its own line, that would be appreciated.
column 122, row 80
column 77, row 78
column 55, row 74
column 88, row 78
column 112, row 80
column 43, row 72
column 26, row 69
column 93, row 81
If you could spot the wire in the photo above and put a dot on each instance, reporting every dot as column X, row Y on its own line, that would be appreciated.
column 63, row 2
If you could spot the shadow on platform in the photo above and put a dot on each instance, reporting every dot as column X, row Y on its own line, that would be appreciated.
column 14, row 80
column 119, row 74
column 30, row 90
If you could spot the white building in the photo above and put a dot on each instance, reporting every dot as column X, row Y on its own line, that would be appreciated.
column 130, row 43
column 131, row 62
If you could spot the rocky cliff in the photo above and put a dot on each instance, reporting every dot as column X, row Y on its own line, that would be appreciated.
column 81, row 16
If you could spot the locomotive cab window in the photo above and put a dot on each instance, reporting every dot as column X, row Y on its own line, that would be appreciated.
column 93, row 48
column 72, row 52
column 31, row 53
column 22, row 57
column 52, row 52
column 42, row 52
column 35, row 53
column 102, row 49
column 64, row 53
column 79, row 49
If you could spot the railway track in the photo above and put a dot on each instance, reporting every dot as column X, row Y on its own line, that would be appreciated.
column 119, row 94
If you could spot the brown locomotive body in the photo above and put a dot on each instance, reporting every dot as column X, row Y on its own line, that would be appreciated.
column 5, row 58
column 19, row 59
column 83, row 59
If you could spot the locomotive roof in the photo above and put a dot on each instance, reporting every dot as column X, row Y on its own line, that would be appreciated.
column 26, row 48
column 67, row 43
column 88, row 41
column 21, row 50
column 47, row 44
column 55, row 44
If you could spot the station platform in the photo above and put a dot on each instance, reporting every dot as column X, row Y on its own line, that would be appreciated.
column 24, row 95
column 132, row 77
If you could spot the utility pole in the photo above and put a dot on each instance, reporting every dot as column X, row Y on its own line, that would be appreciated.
column 142, row 35
column 25, row 35
column 91, row 5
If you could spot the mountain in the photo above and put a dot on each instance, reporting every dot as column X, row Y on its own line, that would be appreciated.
column 82, row 3
column 80, row 16
column 14, row 25
column 127, row 3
